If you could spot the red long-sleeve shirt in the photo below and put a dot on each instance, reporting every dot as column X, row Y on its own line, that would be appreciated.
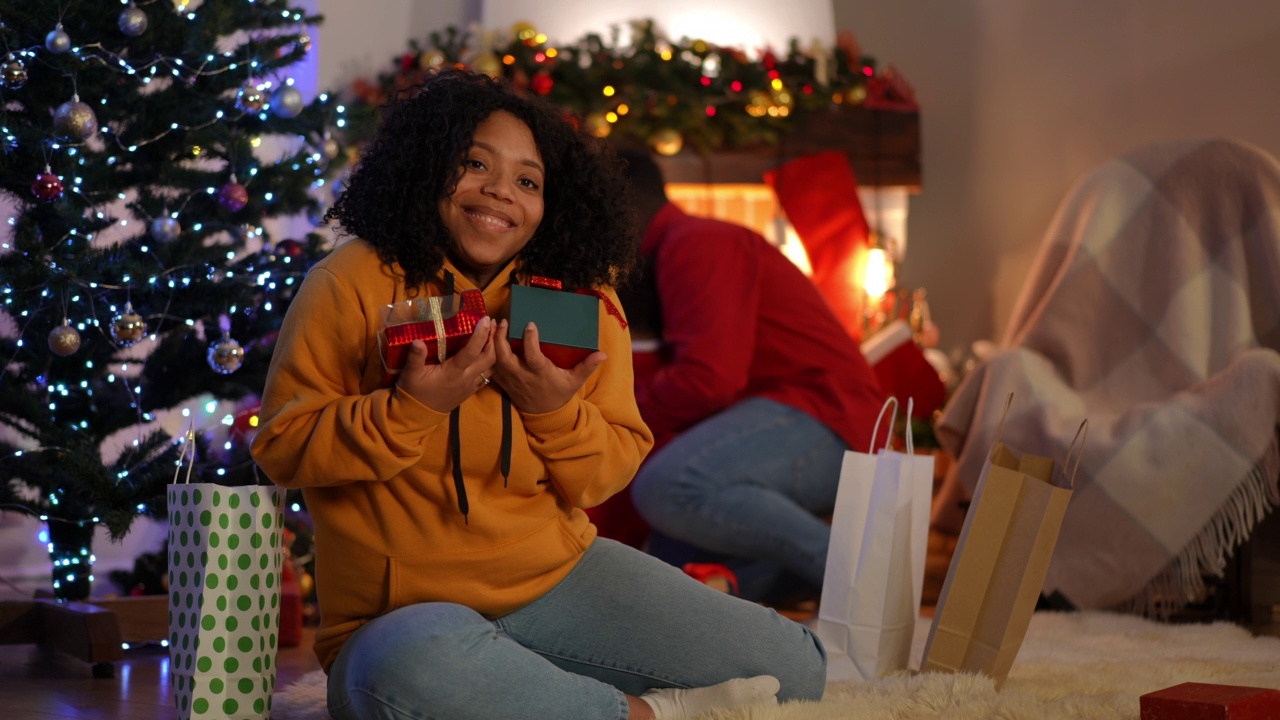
column 740, row 321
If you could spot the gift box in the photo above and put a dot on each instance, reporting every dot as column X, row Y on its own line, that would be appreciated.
column 568, row 323
column 444, row 322
column 1203, row 701
column 902, row 369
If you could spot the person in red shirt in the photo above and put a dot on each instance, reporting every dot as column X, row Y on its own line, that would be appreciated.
column 762, row 394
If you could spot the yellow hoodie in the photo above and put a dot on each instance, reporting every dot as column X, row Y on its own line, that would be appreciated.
column 376, row 470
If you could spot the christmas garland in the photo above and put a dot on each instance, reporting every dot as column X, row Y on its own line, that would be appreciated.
column 667, row 94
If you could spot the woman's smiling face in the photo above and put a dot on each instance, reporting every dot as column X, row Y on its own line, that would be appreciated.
column 496, row 205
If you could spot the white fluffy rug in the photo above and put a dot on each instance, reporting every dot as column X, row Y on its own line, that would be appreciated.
column 1072, row 665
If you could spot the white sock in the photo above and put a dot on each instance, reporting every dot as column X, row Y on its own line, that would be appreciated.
column 678, row 704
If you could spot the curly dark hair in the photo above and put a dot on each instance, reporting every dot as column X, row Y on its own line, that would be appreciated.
column 586, row 238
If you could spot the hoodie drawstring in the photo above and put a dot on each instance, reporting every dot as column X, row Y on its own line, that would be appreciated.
column 505, row 459
column 455, row 433
column 455, row 437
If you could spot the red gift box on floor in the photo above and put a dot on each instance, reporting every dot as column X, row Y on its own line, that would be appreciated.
column 290, row 607
column 1202, row 701
column 445, row 323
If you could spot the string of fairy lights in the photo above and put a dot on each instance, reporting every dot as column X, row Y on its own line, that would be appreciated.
column 75, row 141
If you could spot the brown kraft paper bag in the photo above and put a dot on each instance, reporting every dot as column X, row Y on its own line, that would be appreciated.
column 1000, row 561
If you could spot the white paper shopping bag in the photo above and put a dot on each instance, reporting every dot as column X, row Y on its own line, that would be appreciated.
column 875, row 559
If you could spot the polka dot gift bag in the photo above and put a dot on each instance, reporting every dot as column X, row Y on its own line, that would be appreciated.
column 224, row 597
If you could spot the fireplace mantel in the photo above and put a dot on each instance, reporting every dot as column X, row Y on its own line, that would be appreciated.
column 882, row 146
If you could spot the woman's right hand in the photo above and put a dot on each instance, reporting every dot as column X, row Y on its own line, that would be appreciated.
column 444, row 386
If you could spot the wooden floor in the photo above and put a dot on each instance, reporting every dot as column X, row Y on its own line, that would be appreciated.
column 41, row 685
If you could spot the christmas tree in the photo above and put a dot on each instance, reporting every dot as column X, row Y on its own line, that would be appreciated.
column 142, row 149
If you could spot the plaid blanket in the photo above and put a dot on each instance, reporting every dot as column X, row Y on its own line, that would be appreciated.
column 1153, row 309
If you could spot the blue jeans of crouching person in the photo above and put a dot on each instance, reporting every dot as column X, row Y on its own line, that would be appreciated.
column 749, row 488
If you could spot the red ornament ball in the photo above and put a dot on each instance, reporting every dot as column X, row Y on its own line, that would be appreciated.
column 542, row 83
column 47, row 187
column 289, row 248
column 233, row 197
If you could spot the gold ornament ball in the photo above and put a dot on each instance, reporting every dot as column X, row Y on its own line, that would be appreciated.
column 306, row 584
column 330, row 148
column 431, row 59
column 250, row 99
column 597, row 125
column 523, row 30
column 667, row 141
column 128, row 328
column 75, row 120
column 226, row 356
column 489, row 64
column 64, row 340
column 14, row 74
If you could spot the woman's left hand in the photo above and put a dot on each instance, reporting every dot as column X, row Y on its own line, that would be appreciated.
column 534, row 383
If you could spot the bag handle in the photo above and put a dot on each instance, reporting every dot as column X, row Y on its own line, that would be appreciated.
column 911, row 446
column 189, row 442
column 892, row 419
column 1004, row 416
column 1082, row 434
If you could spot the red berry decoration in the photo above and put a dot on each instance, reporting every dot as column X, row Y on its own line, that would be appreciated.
column 47, row 187
column 233, row 197
column 542, row 83
column 289, row 248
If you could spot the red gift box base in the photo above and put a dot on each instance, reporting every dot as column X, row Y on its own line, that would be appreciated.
column 561, row 356
column 1202, row 701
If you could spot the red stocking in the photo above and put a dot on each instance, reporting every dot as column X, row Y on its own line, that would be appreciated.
column 820, row 197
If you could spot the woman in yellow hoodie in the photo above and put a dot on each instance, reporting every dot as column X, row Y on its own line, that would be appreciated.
column 457, row 575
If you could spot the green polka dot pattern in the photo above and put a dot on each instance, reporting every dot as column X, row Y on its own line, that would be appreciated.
column 224, row 578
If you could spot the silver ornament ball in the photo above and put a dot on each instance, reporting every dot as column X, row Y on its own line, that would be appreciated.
column 75, row 120
column 287, row 102
column 165, row 229
column 226, row 356
column 133, row 22
column 57, row 41
column 64, row 340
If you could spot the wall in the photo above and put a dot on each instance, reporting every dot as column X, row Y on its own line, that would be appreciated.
column 1022, row 98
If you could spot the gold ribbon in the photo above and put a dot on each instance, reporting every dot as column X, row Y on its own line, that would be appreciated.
column 437, row 314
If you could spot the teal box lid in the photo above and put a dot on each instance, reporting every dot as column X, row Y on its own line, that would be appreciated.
column 568, row 323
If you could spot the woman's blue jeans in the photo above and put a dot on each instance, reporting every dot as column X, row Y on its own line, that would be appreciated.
column 620, row 622
column 747, row 487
